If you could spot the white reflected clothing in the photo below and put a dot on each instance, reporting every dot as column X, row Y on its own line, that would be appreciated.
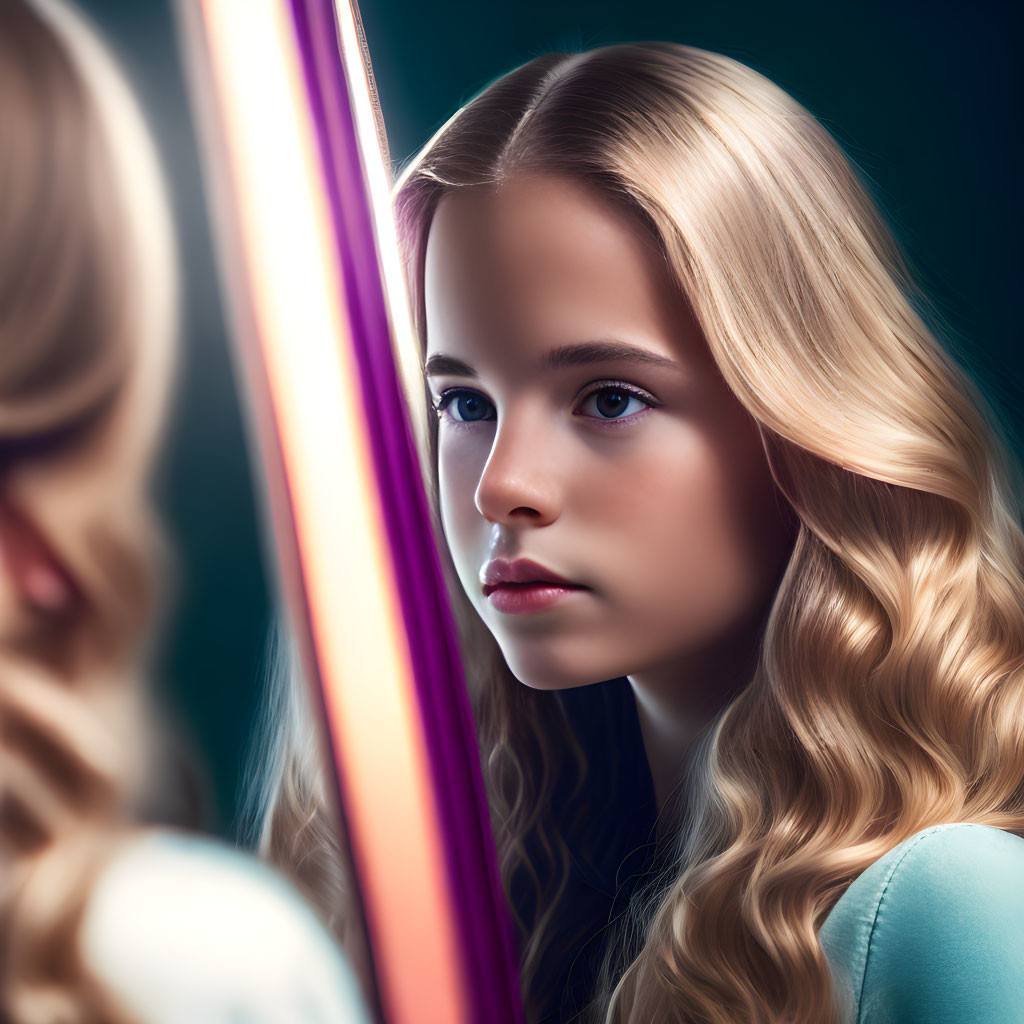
column 186, row 930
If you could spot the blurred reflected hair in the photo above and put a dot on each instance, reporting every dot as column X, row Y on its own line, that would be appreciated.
column 888, row 695
column 88, row 298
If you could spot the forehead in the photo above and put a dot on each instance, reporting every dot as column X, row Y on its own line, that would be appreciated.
column 543, row 260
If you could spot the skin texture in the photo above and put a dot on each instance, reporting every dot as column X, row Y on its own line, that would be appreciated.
column 667, row 511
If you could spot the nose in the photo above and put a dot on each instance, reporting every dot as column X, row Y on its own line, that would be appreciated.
column 520, row 481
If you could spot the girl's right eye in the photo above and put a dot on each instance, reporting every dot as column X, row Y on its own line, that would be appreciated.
column 464, row 406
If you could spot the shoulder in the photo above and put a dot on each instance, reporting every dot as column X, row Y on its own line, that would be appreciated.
column 182, row 928
column 934, row 930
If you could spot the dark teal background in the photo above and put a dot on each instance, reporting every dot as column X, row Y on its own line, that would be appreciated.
column 923, row 96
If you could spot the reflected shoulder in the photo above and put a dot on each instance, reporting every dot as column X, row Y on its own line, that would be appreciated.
column 186, row 928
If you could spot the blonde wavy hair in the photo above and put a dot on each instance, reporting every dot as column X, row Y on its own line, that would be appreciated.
column 889, row 692
column 88, row 296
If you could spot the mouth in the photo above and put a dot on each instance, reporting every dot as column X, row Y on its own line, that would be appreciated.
column 531, row 597
column 522, row 574
column 532, row 585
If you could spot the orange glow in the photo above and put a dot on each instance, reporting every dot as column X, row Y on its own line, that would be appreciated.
column 302, row 333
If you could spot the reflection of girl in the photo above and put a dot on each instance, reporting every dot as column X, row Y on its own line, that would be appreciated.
column 94, row 927
column 798, row 552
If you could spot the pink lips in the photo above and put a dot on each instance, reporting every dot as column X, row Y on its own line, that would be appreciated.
column 524, row 586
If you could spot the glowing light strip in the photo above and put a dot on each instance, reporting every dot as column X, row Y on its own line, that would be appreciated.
column 302, row 328
column 402, row 331
column 338, row 90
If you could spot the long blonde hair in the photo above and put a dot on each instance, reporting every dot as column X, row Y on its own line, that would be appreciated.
column 88, row 295
column 889, row 693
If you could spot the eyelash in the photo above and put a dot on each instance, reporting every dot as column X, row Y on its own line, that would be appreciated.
column 445, row 398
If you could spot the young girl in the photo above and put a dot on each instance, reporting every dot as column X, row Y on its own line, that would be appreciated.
column 100, row 921
column 736, row 554
column 794, row 527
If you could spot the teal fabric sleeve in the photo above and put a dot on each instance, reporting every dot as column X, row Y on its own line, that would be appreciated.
column 933, row 932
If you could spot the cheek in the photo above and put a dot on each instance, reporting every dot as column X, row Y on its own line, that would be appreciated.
column 702, row 544
column 459, row 465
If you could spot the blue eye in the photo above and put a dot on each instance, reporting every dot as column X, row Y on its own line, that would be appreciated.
column 611, row 401
column 467, row 406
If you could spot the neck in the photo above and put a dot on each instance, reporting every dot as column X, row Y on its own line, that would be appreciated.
column 678, row 699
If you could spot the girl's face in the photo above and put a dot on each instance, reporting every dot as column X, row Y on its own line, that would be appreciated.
column 586, row 427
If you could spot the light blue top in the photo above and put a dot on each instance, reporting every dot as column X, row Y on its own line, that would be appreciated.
column 186, row 931
column 933, row 932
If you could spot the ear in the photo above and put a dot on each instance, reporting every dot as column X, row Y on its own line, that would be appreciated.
column 35, row 573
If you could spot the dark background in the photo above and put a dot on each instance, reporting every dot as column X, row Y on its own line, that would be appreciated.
column 923, row 96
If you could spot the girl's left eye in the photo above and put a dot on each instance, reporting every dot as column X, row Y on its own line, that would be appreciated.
column 609, row 403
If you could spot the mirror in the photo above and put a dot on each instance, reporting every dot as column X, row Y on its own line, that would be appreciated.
column 134, row 604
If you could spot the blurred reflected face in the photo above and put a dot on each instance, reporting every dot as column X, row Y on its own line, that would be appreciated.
column 583, row 425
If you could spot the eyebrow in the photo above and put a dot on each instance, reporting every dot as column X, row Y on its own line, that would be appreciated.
column 579, row 354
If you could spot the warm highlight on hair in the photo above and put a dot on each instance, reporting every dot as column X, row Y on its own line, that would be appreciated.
column 87, row 319
column 888, row 695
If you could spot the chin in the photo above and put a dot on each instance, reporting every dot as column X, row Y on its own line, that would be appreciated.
column 549, row 676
